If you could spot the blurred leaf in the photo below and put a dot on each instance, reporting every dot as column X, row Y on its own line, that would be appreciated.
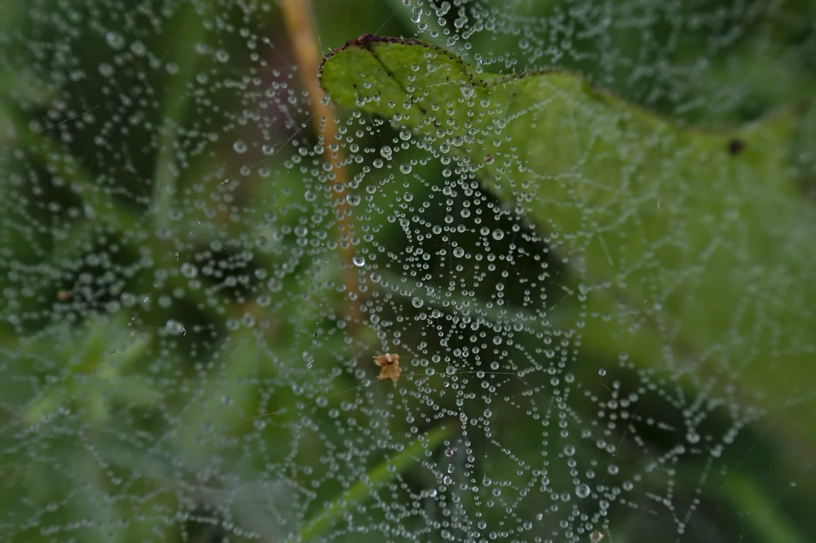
column 190, row 34
column 452, row 301
column 385, row 471
column 93, row 376
column 677, row 237
column 767, row 518
column 97, row 204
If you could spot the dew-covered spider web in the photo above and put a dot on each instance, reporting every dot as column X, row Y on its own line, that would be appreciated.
column 225, row 317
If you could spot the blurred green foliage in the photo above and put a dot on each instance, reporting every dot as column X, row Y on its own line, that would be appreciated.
column 127, row 378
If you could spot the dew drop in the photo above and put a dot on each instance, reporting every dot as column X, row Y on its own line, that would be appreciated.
column 174, row 327
column 239, row 146
column 189, row 271
column 114, row 40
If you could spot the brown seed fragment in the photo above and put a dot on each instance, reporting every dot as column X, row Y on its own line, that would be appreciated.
column 389, row 367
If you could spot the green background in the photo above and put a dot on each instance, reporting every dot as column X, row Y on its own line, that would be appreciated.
column 169, row 270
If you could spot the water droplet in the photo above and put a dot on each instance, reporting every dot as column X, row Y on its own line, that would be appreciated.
column 595, row 536
column 174, row 327
column 601, row 372
column 189, row 270
column 114, row 40
column 358, row 260
column 416, row 302
column 405, row 168
column 498, row 234
column 582, row 491
column 239, row 146
column 106, row 70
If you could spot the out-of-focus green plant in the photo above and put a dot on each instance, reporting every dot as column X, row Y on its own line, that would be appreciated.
column 130, row 377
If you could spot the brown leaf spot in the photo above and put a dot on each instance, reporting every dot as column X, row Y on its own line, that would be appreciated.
column 389, row 367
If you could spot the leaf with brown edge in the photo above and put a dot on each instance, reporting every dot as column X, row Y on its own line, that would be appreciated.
column 691, row 251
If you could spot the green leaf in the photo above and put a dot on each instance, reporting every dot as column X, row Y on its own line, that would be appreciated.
column 691, row 250
column 95, row 373
column 190, row 33
column 382, row 473
column 765, row 516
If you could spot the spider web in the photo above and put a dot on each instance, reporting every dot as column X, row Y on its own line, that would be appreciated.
column 184, row 357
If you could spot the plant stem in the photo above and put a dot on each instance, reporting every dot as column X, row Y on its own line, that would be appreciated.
column 300, row 26
column 389, row 468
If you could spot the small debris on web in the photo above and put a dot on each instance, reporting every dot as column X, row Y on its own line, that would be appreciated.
column 389, row 366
